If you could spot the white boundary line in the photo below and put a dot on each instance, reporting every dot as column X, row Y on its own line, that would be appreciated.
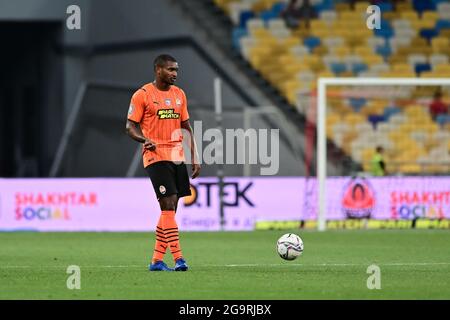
column 335, row 264
column 286, row 264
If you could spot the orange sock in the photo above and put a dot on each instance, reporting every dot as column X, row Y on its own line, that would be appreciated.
column 171, row 232
column 161, row 242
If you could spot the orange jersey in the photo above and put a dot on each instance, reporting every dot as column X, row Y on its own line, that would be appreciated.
column 159, row 114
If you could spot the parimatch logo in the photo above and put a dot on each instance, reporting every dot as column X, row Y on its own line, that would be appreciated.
column 168, row 114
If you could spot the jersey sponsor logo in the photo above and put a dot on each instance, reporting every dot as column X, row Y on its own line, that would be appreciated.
column 131, row 109
column 168, row 114
column 167, row 102
column 358, row 200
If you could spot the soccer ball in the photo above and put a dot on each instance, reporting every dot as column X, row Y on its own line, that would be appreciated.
column 289, row 246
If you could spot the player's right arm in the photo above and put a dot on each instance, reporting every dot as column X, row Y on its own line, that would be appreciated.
column 135, row 114
column 134, row 131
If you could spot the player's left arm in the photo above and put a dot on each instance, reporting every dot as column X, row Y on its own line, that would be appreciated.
column 193, row 146
column 185, row 125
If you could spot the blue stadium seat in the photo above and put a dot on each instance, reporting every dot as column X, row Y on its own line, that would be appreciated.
column 385, row 6
column 244, row 16
column 268, row 15
column 311, row 42
column 338, row 67
column 443, row 119
column 421, row 67
column 390, row 111
column 385, row 31
column 384, row 51
column 357, row 103
column 359, row 67
column 278, row 7
column 422, row 5
column 385, row 24
column 428, row 34
column 375, row 118
column 237, row 33
column 442, row 24
column 434, row 3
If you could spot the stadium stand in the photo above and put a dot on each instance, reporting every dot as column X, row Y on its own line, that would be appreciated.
column 413, row 41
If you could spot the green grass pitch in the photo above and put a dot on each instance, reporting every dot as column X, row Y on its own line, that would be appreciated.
column 415, row 264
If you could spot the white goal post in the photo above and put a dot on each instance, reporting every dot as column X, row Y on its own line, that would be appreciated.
column 321, row 123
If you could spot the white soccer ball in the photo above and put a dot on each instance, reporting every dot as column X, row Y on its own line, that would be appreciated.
column 289, row 246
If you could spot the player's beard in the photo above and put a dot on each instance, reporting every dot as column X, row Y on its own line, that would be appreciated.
column 171, row 81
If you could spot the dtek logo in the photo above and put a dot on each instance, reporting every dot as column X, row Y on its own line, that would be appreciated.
column 358, row 200
column 234, row 194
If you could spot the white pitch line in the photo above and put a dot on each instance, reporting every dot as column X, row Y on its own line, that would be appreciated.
column 334, row 264
column 65, row 266
column 242, row 265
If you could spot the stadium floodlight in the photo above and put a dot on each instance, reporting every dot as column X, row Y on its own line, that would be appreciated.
column 321, row 123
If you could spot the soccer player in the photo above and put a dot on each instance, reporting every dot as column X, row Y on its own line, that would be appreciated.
column 156, row 116
column 378, row 166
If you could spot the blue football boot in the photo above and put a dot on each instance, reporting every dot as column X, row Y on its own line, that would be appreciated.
column 180, row 265
column 159, row 266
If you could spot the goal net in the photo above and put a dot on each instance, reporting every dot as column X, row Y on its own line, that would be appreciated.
column 382, row 148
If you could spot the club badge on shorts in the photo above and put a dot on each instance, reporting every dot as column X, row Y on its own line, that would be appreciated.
column 162, row 189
